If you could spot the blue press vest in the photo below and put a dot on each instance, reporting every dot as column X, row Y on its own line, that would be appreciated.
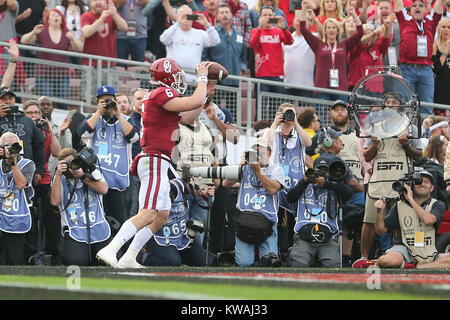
column 312, row 208
column 110, row 146
column 76, row 216
column 293, row 167
column 254, row 197
column 15, row 214
column 173, row 232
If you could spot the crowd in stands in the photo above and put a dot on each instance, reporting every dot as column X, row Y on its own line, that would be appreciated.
column 69, row 190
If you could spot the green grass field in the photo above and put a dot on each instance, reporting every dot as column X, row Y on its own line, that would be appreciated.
column 103, row 288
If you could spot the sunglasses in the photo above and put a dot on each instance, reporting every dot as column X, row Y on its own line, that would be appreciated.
column 74, row 27
column 421, row 5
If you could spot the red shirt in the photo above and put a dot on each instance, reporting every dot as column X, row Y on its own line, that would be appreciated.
column 159, row 126
column 47, row 143
column 361, row 57
column 209, row 16
column 102, row 42
column 322, row 51
column 266, row 44
column 409, row 30
column 284, row 5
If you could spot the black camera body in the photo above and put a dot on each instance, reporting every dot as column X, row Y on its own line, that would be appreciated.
column 14, row 148
column 411, row 179
column 288, row 115
column 312, row 174
column 85, row 160
column 13, row 111
column 110, row 104
column 194, row 227
column 41, row 124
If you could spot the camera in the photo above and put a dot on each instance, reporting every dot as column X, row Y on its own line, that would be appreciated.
column 410, row 179
column 41, row 124
column 227, row 172
column 110, row 104
column 251, row 156
column 85, row 160
column 269, row 260
column 337, row 170
column 13, row 111
column 273, row 20
column 289, row 115
column 14, row 148
column 312, row 174
column 194, row 227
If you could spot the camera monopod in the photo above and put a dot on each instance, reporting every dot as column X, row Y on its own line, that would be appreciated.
column 341, row 237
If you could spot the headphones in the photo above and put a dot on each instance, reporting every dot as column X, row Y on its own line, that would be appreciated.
column 327, row 139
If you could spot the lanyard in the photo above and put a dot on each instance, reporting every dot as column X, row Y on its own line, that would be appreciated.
column 333, row 53
column 420, row 27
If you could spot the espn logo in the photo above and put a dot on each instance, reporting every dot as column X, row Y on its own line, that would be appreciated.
column 389, row 165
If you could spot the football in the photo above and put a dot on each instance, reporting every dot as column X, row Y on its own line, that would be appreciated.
column 217, row 72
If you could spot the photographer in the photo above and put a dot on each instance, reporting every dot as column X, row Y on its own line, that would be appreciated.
column 256, row 220
column 31, row 139
column 16, row 175
column 288, row 140
column 174, row 243
column 413, row 222
column 72, row 191
column 50, row 223
column 111, row 136
column 316, row 228
column 391, row 158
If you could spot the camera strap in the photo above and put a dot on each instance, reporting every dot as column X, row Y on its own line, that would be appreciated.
column 88, row 223
column 72, row 192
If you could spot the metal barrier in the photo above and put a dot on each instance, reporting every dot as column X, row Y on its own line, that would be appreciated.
column 74, row 86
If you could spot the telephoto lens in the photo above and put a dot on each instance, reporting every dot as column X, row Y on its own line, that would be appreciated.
column 288, row 115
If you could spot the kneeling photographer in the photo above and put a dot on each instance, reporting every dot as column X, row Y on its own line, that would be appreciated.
column 173, row 244
column 256, row 220
column 16, row 176
column 316, row 229
column 79, row 187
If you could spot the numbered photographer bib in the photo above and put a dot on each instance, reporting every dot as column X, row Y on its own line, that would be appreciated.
column 110, row 145
column 15, row 214
column 422, row 47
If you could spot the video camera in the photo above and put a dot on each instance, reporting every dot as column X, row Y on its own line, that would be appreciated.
column 85, row 160
column 14, row 148
column 411, row 179
column 227, row 172
column 110, row 104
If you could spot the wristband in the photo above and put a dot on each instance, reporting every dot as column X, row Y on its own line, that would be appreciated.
column 202, row 78
column 13, row 61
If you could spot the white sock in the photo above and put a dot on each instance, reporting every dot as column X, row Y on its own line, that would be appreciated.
column 126, row 232
column 141, row 238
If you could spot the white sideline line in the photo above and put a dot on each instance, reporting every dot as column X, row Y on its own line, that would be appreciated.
column 147, row 294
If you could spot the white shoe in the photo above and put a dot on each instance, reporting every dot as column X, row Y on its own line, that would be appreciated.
column 108, row 257
column 129, row 263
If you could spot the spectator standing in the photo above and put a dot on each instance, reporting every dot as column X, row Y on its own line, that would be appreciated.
column 231, row 51
column 133, row 41
column 416, row 47
column 30, row 14
column 331, row 55
column 413, row 222
column 185, row 44
column 299, row 73
column 385, row 11
column 316, row 228
column 329, row 9
column 32, row 140
column 266, row 41
column 83, row 234
column 256, row 10
column 256, row 222
column 241, row 18
column 441, row 63
column 50, row 80
column 9, row 10
column 110, row 134
column 16, row 175
column 72, row 11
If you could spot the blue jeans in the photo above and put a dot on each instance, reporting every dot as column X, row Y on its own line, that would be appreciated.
column 245, row 252
column 54, row 87
column 330, row 97
column 133, row 47
column 270, row 88
column 199, row 213
column 171, row 256
column 421, row 80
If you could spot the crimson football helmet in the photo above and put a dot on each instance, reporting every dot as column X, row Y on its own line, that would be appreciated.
column 168, row 72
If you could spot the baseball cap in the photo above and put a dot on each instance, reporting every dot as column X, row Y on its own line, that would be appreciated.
column 338, row 103
column 262, row 142
column 426, row 174
column 325, row 159
column 106, row 90
column 5, row 90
